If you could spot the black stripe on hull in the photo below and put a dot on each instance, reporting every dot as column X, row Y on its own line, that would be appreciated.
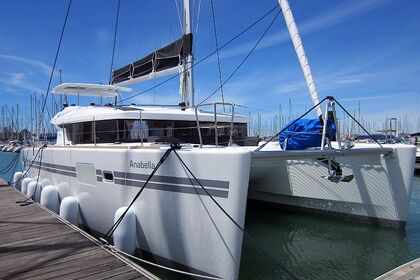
column 173, row 180
column 173, row 188
column 62, row 172
column 222, row 193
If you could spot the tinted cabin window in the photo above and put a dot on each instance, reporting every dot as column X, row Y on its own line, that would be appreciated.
column 111, row 131
column 79, row 133
column 106, row 131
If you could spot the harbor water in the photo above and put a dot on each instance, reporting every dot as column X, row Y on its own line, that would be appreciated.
column 8, row 165
column 317, row 247
column 314, row 247
column 320, row 247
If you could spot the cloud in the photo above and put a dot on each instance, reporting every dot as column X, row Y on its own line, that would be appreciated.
column 17, row 78
column 337, row 15
column 18, row 81
column 369, row 97
column 343, row 12
column 33, row 62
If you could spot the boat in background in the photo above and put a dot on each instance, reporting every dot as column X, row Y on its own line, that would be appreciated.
column 415, row 140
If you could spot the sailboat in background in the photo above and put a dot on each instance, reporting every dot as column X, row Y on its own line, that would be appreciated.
column 192, row 212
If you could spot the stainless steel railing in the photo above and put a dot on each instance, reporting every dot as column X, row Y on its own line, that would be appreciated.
column 214, row 105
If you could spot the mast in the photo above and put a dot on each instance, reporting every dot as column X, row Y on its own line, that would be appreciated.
column 300, row 52
column 187, row 87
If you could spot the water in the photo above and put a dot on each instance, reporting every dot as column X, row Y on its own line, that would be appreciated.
column 316, row 247
column 8, row 166
column 328, row 248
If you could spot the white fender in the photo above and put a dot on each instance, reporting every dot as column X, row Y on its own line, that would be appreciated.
column 69, row 210
column 49, row 198
column 24, row 185
column 17, row 178
column 125, row 235
column 44, row 182
column 33, row 187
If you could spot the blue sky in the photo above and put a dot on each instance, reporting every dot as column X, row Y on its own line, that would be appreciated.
column 358, row 50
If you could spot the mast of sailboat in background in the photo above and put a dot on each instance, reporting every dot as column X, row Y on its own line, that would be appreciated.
column 303, row 60
column 187, row 87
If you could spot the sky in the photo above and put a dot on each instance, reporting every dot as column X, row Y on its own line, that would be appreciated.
column 363, row 52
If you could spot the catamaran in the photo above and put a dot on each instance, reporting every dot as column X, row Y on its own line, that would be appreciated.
column 191, row 214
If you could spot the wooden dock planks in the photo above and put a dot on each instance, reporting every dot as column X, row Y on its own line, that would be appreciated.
column 408, row 271
column 34, row 244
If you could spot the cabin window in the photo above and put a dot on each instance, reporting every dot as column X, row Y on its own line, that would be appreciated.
column 79, row 133
column 124, row 131
column 106, row 131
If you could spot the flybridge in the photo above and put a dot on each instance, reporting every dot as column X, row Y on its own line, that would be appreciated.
column 164, row 61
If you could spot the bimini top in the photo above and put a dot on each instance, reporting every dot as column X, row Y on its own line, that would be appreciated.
column 78, row 114
column 89, row 89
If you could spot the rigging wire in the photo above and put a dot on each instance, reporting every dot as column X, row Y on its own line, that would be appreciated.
column 358, row 123
column 110, row 232
column 254, row 108
column 290, row 124
column 179, row 15
column 245, row 58
column 198, row 17
column 196, row 22
column 115, row 39
column 173, row 148
column 205, row 57
column 255, row 242
column 217, row 54
column 56, row 56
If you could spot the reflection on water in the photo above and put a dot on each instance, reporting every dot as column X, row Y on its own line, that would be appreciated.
column 327, row 248
column 324, row 247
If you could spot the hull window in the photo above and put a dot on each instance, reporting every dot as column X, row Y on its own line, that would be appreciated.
column 108, row 176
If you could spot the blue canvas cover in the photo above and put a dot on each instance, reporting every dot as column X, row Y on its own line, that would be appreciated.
column 305, row 133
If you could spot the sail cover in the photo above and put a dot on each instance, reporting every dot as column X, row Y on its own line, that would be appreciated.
column 166, row 59
column 305, row 133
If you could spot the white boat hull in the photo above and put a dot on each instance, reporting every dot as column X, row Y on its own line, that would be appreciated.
column 379, row 193
column 175, row 221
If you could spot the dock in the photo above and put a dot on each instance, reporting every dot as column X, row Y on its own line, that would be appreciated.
column 37, row 244
column 408, row 271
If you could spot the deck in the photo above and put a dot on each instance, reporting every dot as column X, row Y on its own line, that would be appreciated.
column 36, row 244
column 408, row 271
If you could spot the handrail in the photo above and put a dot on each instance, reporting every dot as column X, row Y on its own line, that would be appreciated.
column 330, row 104
column 214, row 104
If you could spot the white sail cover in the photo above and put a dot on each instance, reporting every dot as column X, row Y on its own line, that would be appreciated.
column 89, row 89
